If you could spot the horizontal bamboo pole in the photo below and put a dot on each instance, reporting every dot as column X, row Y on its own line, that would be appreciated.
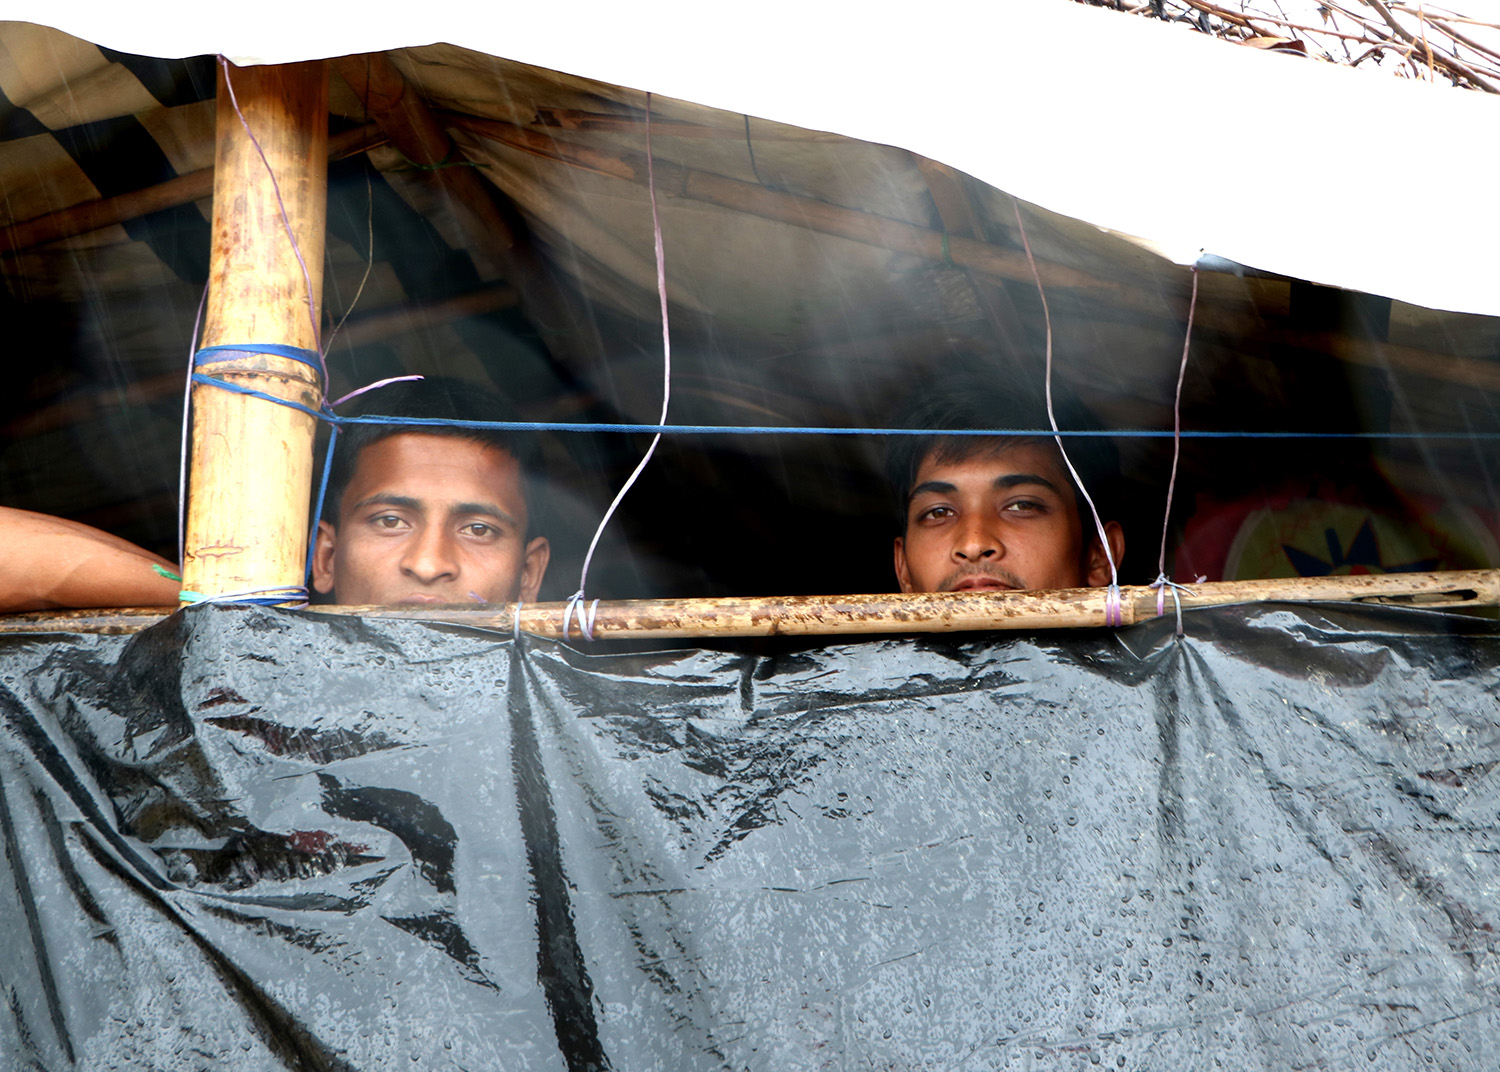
column 945, row 612
column 100, row 622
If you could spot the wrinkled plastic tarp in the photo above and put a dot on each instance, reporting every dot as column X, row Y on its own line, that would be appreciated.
column 253, row 839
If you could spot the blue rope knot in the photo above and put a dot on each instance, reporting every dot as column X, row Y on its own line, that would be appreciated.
column 210, row 354
column 258, row 597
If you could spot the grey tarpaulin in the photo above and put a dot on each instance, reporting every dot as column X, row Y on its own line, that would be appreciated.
column 252, row 839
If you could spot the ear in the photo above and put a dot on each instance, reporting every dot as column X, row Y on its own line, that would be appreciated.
column 1098, row 566
column 322, row 571
column 538, row 554
column 903, row 574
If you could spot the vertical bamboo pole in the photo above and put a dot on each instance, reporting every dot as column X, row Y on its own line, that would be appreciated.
column 251, row 468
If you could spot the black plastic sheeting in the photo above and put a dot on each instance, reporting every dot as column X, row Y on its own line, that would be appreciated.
column 253, row 839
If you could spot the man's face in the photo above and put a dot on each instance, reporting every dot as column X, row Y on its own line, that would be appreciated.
column 430, row 519
column 998, row 519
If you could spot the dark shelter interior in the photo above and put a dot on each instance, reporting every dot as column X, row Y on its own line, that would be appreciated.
column 260, row 838
column 813, row 282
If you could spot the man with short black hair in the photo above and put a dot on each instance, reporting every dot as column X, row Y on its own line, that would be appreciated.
column 994, row 513
column 431, row 513
column 426, row 513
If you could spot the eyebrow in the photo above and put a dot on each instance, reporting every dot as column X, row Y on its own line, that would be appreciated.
column 1008, row 480
column 1012, row 480
column 406, row 502
column 932, row 487
column 486, row 510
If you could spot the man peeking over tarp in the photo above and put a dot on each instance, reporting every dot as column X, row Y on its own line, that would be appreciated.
column 414, row 514
column 997, row 512
column 431, row 513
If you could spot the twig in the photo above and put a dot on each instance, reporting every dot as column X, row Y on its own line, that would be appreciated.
column 1377, row 34
column 1422, row 30
column 1203, row 5
column 1451, row 32
column 1448, row 62
column 1447, row 17
column 1367, row 53
column 1227, row 16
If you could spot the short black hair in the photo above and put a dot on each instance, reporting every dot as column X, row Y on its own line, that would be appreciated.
column 434, row 398
column 970, row 401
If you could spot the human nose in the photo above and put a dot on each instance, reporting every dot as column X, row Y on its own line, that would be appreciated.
column 976, row 541
column 429, row 556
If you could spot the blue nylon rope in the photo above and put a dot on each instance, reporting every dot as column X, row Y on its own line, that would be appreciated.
column 336, row 422
column 776, row 429
column 260, row 597
column 312, row 536
column 224, row 352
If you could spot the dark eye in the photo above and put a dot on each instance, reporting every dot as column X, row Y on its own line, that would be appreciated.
column 1026, row 506
column 387, row 521
column 481, row 530
column 937, row 513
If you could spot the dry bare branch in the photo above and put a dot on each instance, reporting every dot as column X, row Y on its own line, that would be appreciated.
column 1430, row 46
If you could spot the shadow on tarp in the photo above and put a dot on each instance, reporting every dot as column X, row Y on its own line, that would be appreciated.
column 252, row 839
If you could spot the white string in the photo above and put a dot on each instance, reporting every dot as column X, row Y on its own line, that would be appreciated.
column 1113, row 612
column 666, row 395
column 187, row 410
column 585, row 624
column 1177, row 426
column 1163, row 583
column 370, row 225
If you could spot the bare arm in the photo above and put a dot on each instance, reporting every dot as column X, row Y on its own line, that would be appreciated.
column 46, row 562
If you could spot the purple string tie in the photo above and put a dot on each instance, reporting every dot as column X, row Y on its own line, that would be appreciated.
column 575, row 607
column 1114, row 610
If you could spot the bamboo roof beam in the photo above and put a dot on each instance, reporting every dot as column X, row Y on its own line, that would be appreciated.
column 635, row 123
column 484, row 213
column 946, row 185
column 410, row 127
column 89, row 216
column 894, row 613
column 883, row 232
column 385, row 324
column 94, row 215
column 973, row 254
